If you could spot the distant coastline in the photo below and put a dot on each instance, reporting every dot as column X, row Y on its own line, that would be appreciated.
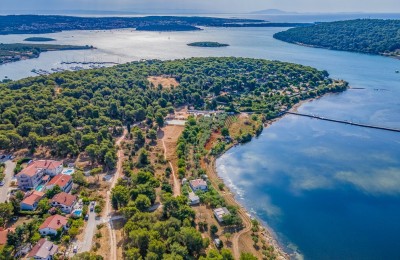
column 39, row 24
column 13, row 52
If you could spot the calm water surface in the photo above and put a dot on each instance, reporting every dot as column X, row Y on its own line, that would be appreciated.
column 330, row 191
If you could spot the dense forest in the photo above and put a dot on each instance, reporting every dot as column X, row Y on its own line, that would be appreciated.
column 35, row 24
column 365, row 35
column 67, row 112
column 16, row 51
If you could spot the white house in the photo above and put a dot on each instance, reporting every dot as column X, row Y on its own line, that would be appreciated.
column 30, row 177
column 193, row 199
column 219, row 213
column 64, row 201
column 198, row 184
column 31, row 201
column 43, row 250
column 52, row 224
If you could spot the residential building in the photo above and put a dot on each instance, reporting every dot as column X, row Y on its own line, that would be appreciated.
column 61, row 180
column 198, row 184
column 31, row 200
column 52, row 224
column 3, row 235
column 32, row 176
column 64, row 201
column 193, row 199
column 219, row 213
column 43, row 250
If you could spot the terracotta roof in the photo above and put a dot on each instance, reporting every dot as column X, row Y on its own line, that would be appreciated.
column 64, row 199
column 36, row 166
column 3, row 235
column 43, row 249
column 61, row 180
column 54, row 222
column 197, row 183
column 35, row 196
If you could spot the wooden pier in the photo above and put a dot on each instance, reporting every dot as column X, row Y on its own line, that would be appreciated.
column 345, row 122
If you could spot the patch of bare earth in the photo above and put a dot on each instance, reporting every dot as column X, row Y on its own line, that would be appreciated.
column 169, row 136
column 104, row 241
column 165, row 82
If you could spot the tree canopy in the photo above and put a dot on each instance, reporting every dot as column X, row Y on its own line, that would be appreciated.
column 372, row 36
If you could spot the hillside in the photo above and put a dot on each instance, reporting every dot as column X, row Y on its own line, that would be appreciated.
column 371, row 36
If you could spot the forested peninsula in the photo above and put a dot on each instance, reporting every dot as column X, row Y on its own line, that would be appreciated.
column 35, row 24
column 80, row 114
column 373, row 36
column 19, row 51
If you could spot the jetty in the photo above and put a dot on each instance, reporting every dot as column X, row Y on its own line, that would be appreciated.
column 345, row 122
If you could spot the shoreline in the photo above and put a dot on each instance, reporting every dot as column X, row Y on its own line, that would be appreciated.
column 268, row 232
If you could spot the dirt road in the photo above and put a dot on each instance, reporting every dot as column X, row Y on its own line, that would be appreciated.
column 109, row 211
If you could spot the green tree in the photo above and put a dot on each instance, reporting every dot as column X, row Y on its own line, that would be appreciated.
column 52, row 192
column 119, row 196
column 142, row 202
column 192, row 239
column 247, row 256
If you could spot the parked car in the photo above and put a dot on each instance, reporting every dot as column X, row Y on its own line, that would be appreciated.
column 87, row 217
column 75, row 250
column 2, row 183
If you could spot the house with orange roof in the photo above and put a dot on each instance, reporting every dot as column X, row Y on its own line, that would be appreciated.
column 53, row 224
column 32, row 176
column 3, row 235
column 43, row 250
column 31, row 200
column 63, row 181
column 64, row 201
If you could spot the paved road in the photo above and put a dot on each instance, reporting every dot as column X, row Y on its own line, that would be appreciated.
column 86, row 244
column 9, row 172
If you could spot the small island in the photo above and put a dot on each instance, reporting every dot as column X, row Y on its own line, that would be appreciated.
column 208, row 44
column 21, row 51
column 39, row 39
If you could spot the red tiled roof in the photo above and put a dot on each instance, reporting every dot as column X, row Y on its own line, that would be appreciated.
column 64, row 199
column 61, row 180
column 35, row 166
column 54, row 222
column 35, row 196
column 3, row 235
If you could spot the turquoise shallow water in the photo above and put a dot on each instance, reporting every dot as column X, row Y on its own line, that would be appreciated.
column 332, row 191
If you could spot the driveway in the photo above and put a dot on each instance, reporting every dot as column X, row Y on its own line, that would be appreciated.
column 9, row 172
column 91, row 227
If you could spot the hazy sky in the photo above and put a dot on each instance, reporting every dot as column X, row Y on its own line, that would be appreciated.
column 234, row 6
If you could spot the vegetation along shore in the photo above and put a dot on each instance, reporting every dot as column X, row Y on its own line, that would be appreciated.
column 20, row 51
column 155, row 128
column 35, row 24
column 373, row 36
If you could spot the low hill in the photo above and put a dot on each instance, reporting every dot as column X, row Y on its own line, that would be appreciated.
column 373, row 36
